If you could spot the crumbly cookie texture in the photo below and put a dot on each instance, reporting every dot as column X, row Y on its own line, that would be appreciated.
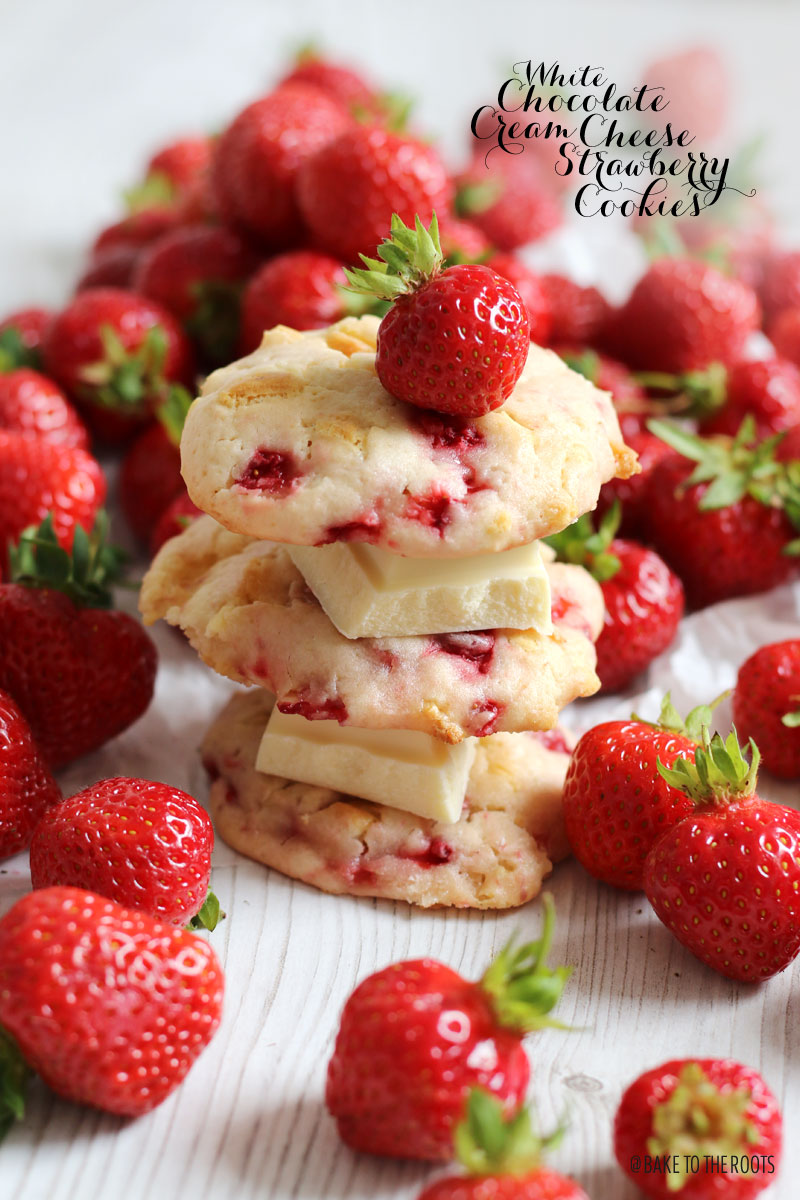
column 249, row 614
column 299, row 442
column 509, row 835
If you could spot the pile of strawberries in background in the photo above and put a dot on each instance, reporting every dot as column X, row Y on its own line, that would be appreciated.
column 226, row 237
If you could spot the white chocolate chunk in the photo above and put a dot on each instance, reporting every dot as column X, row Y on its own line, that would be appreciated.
column 368, row 592
column 402, row 768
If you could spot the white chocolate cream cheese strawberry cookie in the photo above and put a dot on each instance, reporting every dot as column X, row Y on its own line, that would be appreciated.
column 300, row 443
column 495, row 855
column 250, row 615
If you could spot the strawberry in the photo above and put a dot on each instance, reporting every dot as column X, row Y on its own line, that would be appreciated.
column 116, row 353
column 766, row 705
column 462, row 241
column 301, row 289
column 179, row 513
column 510, row 198
column 117, row 1007
column 143, row 844
column 259, row 155
column 530, row 289
column 784, row 333
column 721, row 513
column 616, row 805
column 21, row 337
column 781, row 286
column 502, row 1159
column 176, row 167
column 643, row 597
column 79, row 673
column 27, row 787
column 578, row 313
column 348, row 190
column 711, row 1112
column 726, row 878
column 681, row 315
column 136, row 230
column 633, row 494
column 150, row 476
column 721, row 397
column 696, row 85
column 415, row 1038
column 197, row 272
column 31, row 403
column 38, row 477
column 110, row 268
column 344, row 84
column 435, row 313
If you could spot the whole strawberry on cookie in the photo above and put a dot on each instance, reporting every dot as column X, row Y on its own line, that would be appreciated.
column 502, row 1158
column 766, row 705
column 711, row 1126
column 725, row 879
column 455, row 339
column 415, row 1038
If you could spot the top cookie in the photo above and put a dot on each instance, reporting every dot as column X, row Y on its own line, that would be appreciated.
column 299, row 442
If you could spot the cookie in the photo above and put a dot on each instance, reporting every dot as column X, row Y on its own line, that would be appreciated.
column 299, row 443
column 248, row 612
column 509, row 835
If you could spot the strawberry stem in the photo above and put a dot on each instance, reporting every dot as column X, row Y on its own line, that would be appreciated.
column 521, row 987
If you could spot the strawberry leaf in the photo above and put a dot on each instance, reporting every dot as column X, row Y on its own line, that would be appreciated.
column 85, row 575
column 489, row 1143
column 719, row 773
column 584, row 546
column 521, row 987
column 209, row 916
column 14, row 1075
column 14, row 353
column 407, row 260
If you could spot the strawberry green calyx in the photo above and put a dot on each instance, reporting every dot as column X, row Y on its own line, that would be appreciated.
column 584, row 546
column 521, row 987
column 694, row 393
column 156, row 191
column 719, row 774
column 471, row 199
column 85, row 575
column 691, row 726
column 14, row 353
column 14, row 1075
column 407, row 260
column 172, row 411
column 123, row 379
column 209, row 916
column 487, row 1143
column 699, row 1119
column 585, row 362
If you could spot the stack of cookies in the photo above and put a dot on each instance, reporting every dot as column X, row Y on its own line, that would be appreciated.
column 375, row 571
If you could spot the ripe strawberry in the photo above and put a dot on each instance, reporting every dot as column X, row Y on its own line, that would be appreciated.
column 726, row 879
column 462, row 241
column 788, row 448
column 578, row 313
column 344, row 84
column 31, row 403
column 21, row 336
column 140, row 843
column 681, row 315
column 781, row 287
column 510, row 198
column 768, row 390
column 27, row 788
column 136, row 230
column 301, row 289
column 176, row 166
column 723, row 524
column 258, row 157
column 784, row 333
column 630, row 398
column 531, row 291
column 79, row 673
column 633, row 494
column 434, row 315
column 179, row 513
column 415, row 1038
column 643, row 597
column 616, row 805
column 503, row 1159
column 348, row 191
column 710, row 1109
column 119, row 1006
column 766, row 705
column 197, row 272
column 38, row 477
column 110, row 268
column 116, row 353
column 150, row 476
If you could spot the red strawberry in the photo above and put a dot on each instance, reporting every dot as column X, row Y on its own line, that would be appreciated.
column 502, row 1159
column 349, row 190
column 179, row 513
column 79, row 673
column 708, row 1111
column 197, row 272
column 462, row 241
column 766, row 705
column 726, row 879
column 111, row 268
column 415, row 1038
column 259, row 155
column 116, row 353
column 342, row 83
column 27, row 788
column 768, row 390
column 788, row 448
column 643, row 597
column 31, row 403
column 140, row 843
column 300, row 289
column 510, row 198
column 633, row 493
column 21, row 337
column 784, row 333
column 38, row 477
column 616, row 805
column 681, row 315
column 781, row 286
column 716, row 514
column 531, row 291
column 150, row 478
column 181, row 163
column 578, row 313
column 119, row 1006
column 420, row 356
column 136, row 230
